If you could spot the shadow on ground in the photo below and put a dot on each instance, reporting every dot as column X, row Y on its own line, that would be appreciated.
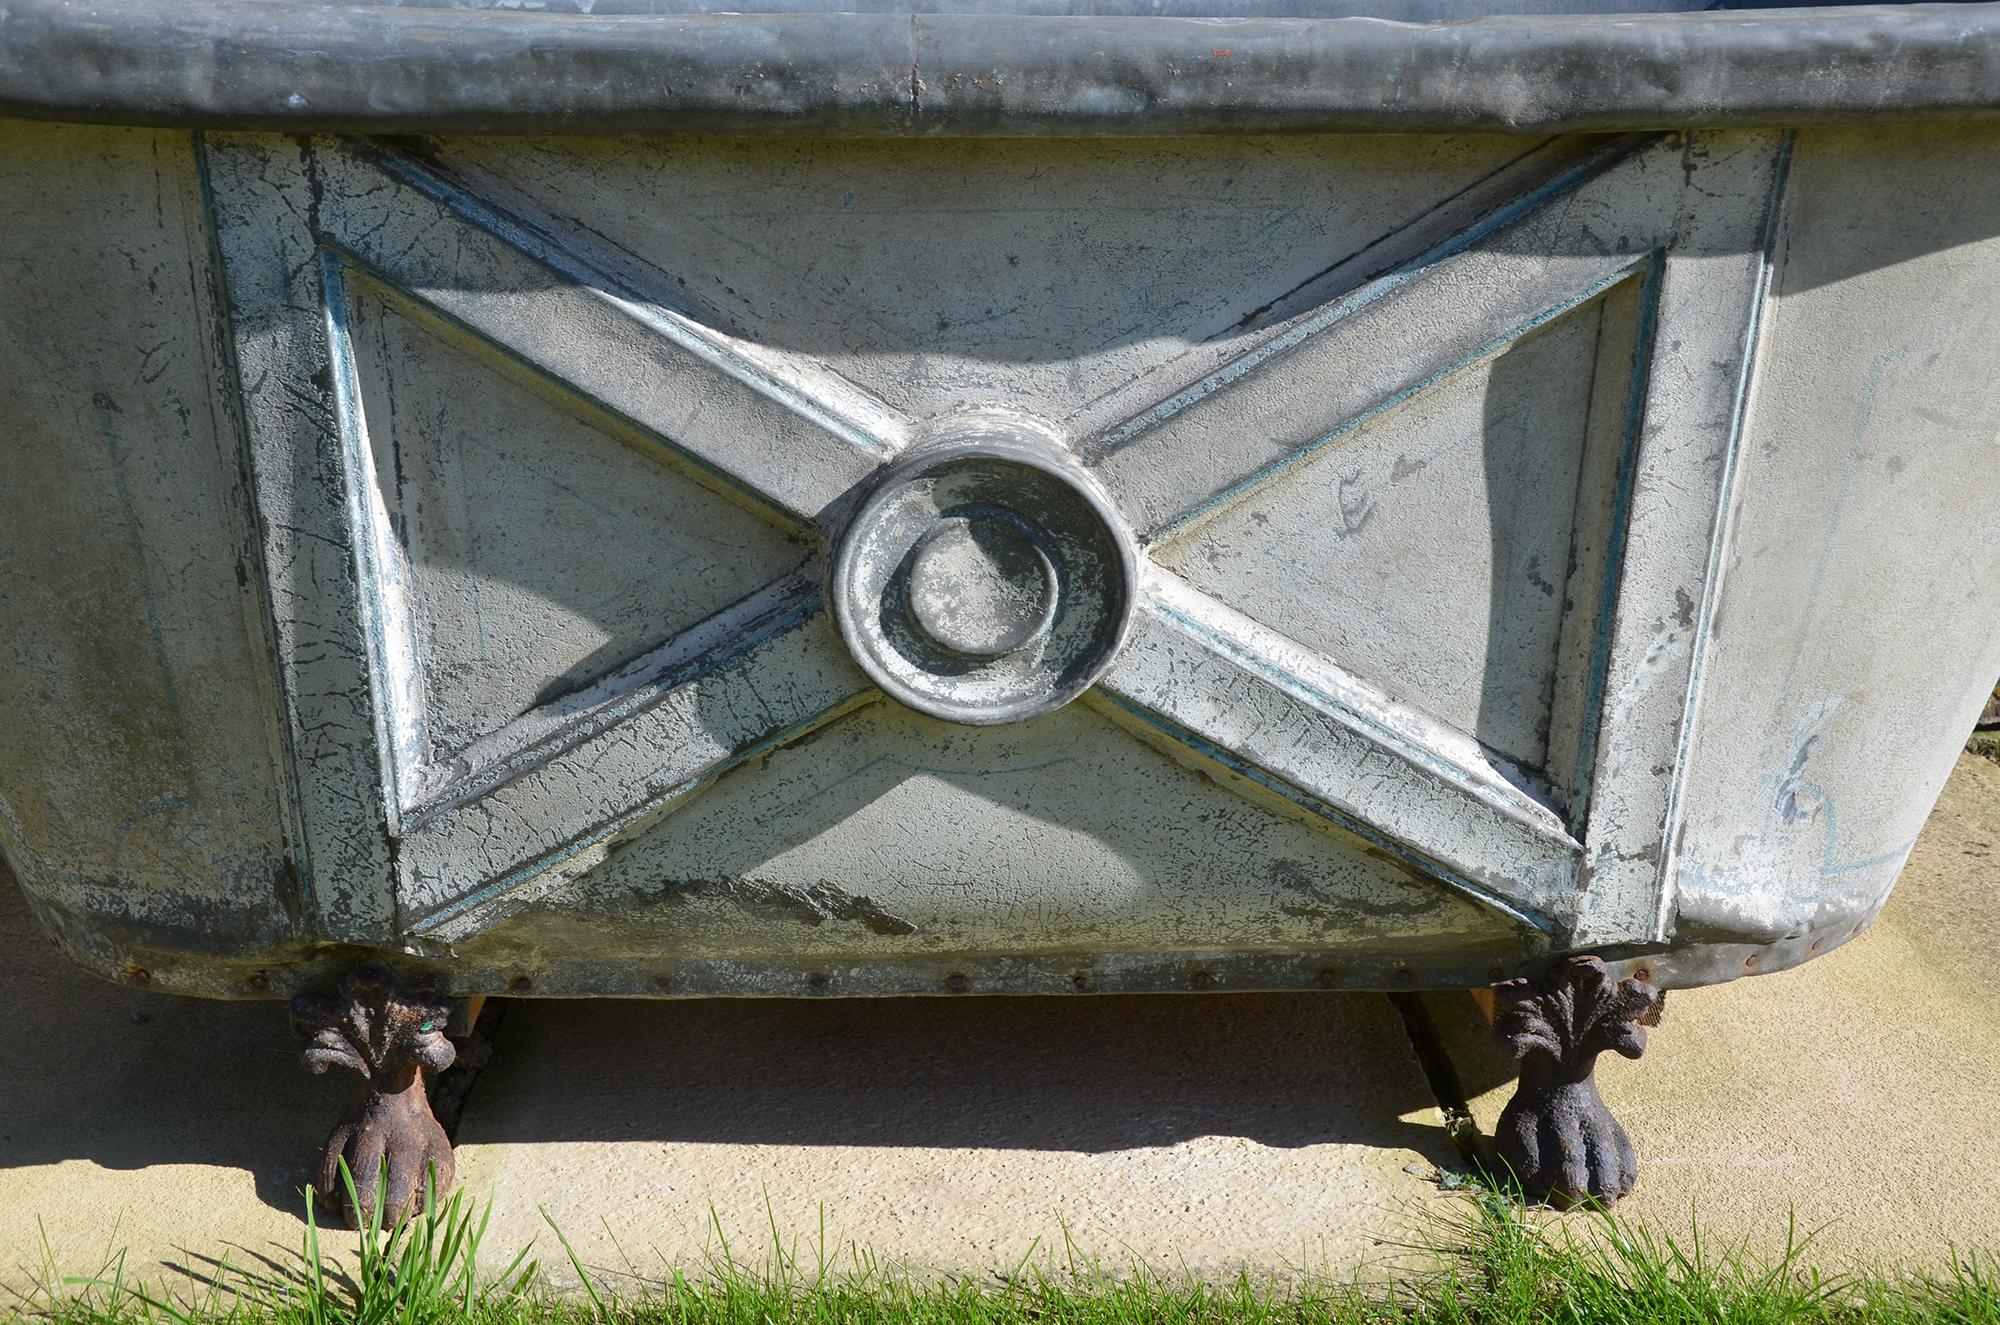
column 1088, row 1074
column 125, row 1080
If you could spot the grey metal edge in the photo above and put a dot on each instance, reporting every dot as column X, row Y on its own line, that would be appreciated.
column 267, row 64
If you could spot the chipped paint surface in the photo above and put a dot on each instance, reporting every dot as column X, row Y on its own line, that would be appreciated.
column 1856, row 618
column 140, row 773
column 813, row 904
column 1515, row 565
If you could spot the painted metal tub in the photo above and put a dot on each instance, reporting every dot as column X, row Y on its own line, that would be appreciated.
column 653, row 502
column 649, row 502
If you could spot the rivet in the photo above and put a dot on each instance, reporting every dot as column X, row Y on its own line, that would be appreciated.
column 1404, row 974
column 957, row 984
column 138, row 975
column 1642, row 973
column 663, row 982
column 1201, row 980
column 520, row 984
column 259, row 982
column 1080, row 983
column 1328, row 977
column 817, row 980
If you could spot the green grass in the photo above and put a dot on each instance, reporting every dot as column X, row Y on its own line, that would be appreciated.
column 1483, row 1262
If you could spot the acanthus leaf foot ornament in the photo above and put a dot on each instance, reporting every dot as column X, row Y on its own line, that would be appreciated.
column 1556, row 1137
column 391, row 1038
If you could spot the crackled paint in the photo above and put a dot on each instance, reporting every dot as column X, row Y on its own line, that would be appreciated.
column 426, row 551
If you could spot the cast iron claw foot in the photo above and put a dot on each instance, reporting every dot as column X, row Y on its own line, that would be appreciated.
column 392, row 1144
column 1556, row 1137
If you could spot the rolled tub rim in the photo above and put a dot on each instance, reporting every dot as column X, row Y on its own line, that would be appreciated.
column 285, row 66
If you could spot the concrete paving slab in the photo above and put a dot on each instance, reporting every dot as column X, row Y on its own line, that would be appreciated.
column 1851, row 1090
column 1200, row 1133
column 1208, row 1133
column 178, row 1130
column 948, row 1134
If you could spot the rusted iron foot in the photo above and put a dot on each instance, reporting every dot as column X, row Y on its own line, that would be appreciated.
column 1556, row 1138
column 392, row 1144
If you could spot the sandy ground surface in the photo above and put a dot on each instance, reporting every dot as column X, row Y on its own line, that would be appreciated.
column 1280, row 1133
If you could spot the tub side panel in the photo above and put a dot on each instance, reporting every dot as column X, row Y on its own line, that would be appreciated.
column 140, row 794
column 1857, row 630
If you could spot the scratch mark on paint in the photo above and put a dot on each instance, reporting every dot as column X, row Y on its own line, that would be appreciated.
column 812, row 905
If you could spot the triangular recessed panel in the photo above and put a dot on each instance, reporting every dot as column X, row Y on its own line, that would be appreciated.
column 889, row 834
column 1428, row 550
column 536, row 499
column 541, row 547
column 1035, row 275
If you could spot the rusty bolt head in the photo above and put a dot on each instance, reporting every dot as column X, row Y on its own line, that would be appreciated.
column 663, row 982
column 1328, row 977
column 817, row 980
column 1643, row 974
column 957, row 984
column 520, row 984
column 1080, row 982
column 1202, row 980
column 138, row 974
column 259, row 982
column 1404, row 975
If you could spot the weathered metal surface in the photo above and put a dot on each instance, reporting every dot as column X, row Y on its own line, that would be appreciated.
column 1817, row 745
column 657, row 67
column 1556, row 1139
column 142, row 791
column 387, row 1144
column 985, row 579
column 464, row 538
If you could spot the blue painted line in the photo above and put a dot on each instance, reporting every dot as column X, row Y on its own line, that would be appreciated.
column 1872, row 862
column 1787, row 788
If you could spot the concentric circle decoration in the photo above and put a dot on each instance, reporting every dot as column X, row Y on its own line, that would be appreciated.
column 985, row 579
